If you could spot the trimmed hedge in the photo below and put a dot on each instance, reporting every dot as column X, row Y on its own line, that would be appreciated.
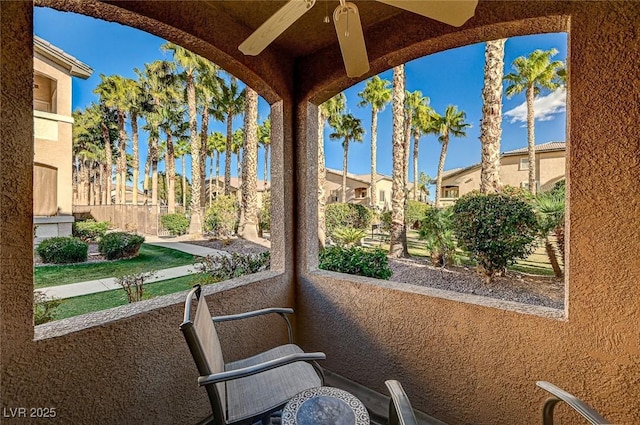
column 63, row 250
column 176, row 224
column 90, row 230
column 357, row 261
column 118, row 245
column 347, row 215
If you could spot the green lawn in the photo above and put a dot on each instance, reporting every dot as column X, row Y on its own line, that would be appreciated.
column 151, row 258
column 103, row 300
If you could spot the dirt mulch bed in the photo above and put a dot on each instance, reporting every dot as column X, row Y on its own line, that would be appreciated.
column 241, row 246
column 519, row 287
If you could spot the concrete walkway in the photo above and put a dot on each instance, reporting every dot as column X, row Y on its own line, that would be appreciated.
column 108, row 284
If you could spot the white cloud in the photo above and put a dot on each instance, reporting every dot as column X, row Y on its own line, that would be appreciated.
column 545, row 107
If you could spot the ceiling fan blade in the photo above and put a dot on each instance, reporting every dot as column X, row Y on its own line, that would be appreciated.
column 274, row 26
column 349, row 29
column 451, row 12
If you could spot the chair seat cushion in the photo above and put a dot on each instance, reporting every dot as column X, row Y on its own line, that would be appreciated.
column 266, row 391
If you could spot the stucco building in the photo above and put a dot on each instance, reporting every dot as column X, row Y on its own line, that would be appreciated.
column 53, row 70
column 514, row 171
column 462, row 358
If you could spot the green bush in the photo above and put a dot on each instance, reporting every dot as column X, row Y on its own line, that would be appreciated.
column 347, row 215
column 90, row 230
column 385, row 221
column 346, row 236
column 414, row 213
column 217, row 268
column 63, row 250
column 264, row 214
column 44, row 309
column 176, row 224
column 220, row 219
column 356, row 260
column 495, row 229
column 120, row 245
column 437, row 232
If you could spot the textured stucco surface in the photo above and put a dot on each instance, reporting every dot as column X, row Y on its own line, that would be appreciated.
column 464, row 363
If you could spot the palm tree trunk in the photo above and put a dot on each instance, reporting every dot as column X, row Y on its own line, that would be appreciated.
column 108, row 161
column 248, row 228
column 217, row 173
column 184, row 182
column 491, row 124
column 322, row 181
column 553, row 259
column 239, row 172
column 374, row 153
column 227, row 154
column 211, row 179
column 397, row 244
column 443, row 155
column 266, row 164
column 147, row 171
column 203, row 153
column 531, row 141
column 345, row 146
column 407, row 144
column 416, row 146
column 121, row 169
column 86, row 185
column 103, row 186
column 171, row 174
column 195, row 225
column 136, row 157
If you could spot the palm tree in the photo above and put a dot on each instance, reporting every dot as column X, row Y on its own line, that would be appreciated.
column 248, row 227
column 216, row 144
column 413, row 101
column 376, row 93
column 113, row 94
column 421, row 124
column 190, row 63
column 550, row 208
column 329, row 111
column 346, row 128
column 231, row 101
column 491, row 124
column 447, row 125
column 532, row 74
column 264, row 139
column 398, row 232
column 136, row 102
column 182, row 149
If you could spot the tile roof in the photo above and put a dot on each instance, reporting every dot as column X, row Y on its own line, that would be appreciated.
column 56, row 54
column 543, row 147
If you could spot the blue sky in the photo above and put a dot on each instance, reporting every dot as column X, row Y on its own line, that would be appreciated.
column 453, row 77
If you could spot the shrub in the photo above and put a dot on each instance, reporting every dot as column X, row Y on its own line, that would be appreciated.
column 90, row 230
column 347, row 215
column 437, row 232
column 44, row 309
column 356, row 260
column 495, row 229
column 227, row 266
column 176, row 224
column 120, row 245
column 220, row 219
column 385, row 221
column 264, row 214
column 414, row 213
column 63, row 250
column 347, row 236
column 133, row 285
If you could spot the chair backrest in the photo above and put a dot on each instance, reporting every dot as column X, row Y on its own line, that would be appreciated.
column 203, row 342
column 400, row 410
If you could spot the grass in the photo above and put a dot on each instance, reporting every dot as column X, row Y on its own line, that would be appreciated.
column 104, row 300
column 150, row 258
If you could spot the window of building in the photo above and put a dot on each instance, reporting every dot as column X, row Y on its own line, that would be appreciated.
column 451, row 192
column 382, row 197
column 361, row 192
column 524, row 164
column 333, row 196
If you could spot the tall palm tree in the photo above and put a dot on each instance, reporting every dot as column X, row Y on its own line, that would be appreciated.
column 329, row 111
column 231, row 101
column 136, row 102
column 189, row 63
column 550, row 208
column 347, row 128
column 420, row 126
column 491, row 124
column 412, row 102
column 173, row 126
column 216, row 144
column 154, row 120
column 248, row 227
column 264, row 140
column 182, row 149
column 377, row 93
column 532, row 74
column 447, row 125
column 398, row 232
column 113, row 94
column 237, row 143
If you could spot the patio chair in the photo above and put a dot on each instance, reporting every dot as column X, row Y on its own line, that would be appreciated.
column 249, row 390
column 578, row 405
column 400, row 410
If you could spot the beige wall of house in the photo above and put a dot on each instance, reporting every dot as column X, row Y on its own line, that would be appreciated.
column 359, row 189
column 550, row 168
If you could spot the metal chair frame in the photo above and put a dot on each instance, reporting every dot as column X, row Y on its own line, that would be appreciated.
column 578, row 405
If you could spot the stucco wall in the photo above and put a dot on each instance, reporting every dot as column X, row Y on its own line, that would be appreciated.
column 469, row 362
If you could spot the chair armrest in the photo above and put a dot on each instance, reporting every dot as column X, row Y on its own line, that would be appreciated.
column 578, row 405
column 259, row 368
column 400, row 410
column 280, row 311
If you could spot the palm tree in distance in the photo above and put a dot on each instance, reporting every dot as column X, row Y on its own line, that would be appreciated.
column 377, row 93
column 264, row 139
column 413, row 101
column 447, row 125
column 216, row 144
column 182, row 150
column 422, row 116
column 347, row 128
column 533, row 73
column 231, row 101
column 136, row 103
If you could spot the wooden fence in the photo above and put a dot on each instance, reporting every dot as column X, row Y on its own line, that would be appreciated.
column 139, row 218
